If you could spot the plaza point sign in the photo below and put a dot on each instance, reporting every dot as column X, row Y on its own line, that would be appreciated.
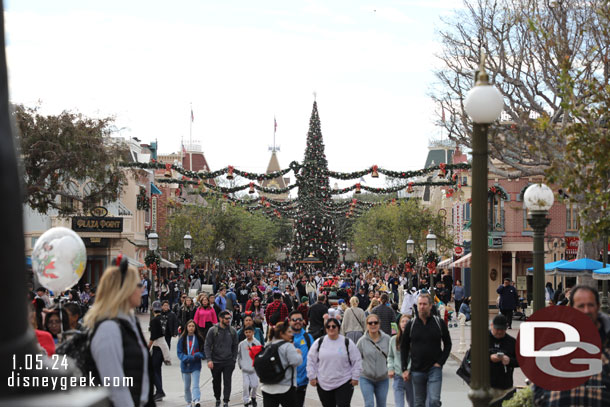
column 97, row 224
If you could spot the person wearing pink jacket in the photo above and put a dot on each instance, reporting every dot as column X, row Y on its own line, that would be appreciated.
column 205, row 316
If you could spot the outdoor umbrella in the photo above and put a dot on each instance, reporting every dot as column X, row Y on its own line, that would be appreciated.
column 578, row 267
column 549, row 267
column 602, row 274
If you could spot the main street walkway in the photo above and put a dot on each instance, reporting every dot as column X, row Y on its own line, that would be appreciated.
column 455, row 391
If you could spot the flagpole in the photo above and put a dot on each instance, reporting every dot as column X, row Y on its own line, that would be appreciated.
column 191, row 127
column 274, row 130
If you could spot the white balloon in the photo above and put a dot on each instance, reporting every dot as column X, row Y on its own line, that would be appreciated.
column 59, row 259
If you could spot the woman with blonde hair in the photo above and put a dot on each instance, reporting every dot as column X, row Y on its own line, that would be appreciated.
column 374, row 302
column 374, row 347
column 118, row 346
column 354, row 324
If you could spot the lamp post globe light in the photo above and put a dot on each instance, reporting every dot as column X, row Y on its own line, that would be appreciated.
column 188, row 241
column 483, row 104
column 538, row 199
column 410, row 246
column 153, row 241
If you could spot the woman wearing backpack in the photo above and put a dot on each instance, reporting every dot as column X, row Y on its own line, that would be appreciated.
column 283, row 392
column 190, row 353
column 334, row 366
column 402, row 388
column 374, row 347
column 118, row 347
column 354, row 324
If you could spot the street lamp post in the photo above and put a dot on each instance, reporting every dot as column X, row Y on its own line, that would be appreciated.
column 410, row 251
column 538, row 199
column 188, row 242
column 344, row 251
column 153, row 245
column 483, row 104
column 430, row 247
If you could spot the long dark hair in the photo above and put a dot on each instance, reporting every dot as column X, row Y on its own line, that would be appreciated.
column 184, row 334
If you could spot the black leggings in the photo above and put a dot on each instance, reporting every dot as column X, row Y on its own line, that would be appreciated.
column 287, row 399
column 339, row 397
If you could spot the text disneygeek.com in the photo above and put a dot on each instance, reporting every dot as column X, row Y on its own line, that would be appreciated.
column 63, row 383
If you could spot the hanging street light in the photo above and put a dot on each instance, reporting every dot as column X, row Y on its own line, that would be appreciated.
column 188, row 241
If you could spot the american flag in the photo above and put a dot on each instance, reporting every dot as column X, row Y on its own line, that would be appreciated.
column 274, row 124
column 192, row 115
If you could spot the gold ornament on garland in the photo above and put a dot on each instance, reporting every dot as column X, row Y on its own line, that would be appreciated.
column 374, row 171
column 230, row 170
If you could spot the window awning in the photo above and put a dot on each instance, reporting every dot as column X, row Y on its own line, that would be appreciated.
column 464, row 262
column 168, row 264
column 445, row 263
column 154, row 190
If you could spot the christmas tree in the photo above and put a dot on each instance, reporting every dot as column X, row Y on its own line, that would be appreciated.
column 314, row 226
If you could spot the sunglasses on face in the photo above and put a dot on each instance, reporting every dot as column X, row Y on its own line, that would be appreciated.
column 296, row 319
column 373, row 322
column 331, row 326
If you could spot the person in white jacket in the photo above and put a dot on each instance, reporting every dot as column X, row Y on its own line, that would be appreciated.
column 409, row 300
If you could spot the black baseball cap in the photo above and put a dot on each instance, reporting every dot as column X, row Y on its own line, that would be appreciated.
column 500, row 322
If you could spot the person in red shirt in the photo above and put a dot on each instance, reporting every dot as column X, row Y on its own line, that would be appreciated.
column 45, row 339
column 272, row 315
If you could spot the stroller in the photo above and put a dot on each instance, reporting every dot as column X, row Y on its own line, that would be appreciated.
column 520, row 313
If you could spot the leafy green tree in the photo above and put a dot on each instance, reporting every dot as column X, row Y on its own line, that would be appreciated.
column 389, row 226
column 60, row 150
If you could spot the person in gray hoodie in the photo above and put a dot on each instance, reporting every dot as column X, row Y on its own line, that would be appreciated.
column 283, row 393
column 245, row 358
column 374, row 347
column 221, row 345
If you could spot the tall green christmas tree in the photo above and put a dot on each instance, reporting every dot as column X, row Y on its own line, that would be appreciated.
column 314, row 227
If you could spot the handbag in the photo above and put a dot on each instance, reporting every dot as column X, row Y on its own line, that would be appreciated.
column 464, row 371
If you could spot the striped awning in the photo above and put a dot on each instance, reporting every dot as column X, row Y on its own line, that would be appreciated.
column 464, row 262
column 445, row 263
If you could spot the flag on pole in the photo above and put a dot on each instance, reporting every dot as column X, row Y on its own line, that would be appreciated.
column 192, row 115
column 274, row 124
column 442, row 107
column 183, row 150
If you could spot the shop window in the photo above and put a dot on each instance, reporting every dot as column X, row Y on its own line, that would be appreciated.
column 496, row 214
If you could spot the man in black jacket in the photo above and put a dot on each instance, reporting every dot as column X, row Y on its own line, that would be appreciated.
column 508, row 300
column 316, row 317
column 363, row 298
column 221, row 346
column 422, row 342
column 502, row 357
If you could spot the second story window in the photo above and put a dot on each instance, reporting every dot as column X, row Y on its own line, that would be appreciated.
column 571, row 217
column 496, row 214
column 526, row 225
column 66, row 202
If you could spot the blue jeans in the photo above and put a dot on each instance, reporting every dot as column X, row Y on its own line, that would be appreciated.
column 403, row 390
column 191, row 390
column 427, row 385
column 372, row 391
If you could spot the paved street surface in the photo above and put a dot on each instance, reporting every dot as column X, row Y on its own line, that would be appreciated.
column 455, row 391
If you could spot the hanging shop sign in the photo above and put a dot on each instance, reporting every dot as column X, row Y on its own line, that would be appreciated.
column 97, row 224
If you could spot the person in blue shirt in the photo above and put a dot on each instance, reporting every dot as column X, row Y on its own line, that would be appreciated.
column 221, row 301
column 190, row 353
column 465, row 308
column 258, row 333
column 303, row 341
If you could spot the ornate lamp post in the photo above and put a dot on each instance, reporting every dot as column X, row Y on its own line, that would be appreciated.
column 430, row 247
column 483, row 104
column 188, row 242
column 410, row 251
column 153, row 246
column 538, row 199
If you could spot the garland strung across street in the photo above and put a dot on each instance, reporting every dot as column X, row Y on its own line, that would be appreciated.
column 375, row 171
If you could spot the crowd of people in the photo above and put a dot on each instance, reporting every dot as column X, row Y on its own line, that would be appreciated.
column 337, row 331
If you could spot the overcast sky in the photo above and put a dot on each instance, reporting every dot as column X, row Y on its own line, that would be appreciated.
column 239, row 63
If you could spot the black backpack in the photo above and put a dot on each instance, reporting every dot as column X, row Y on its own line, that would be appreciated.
column 275, row 316
column 78, row 351
column 268, row 365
